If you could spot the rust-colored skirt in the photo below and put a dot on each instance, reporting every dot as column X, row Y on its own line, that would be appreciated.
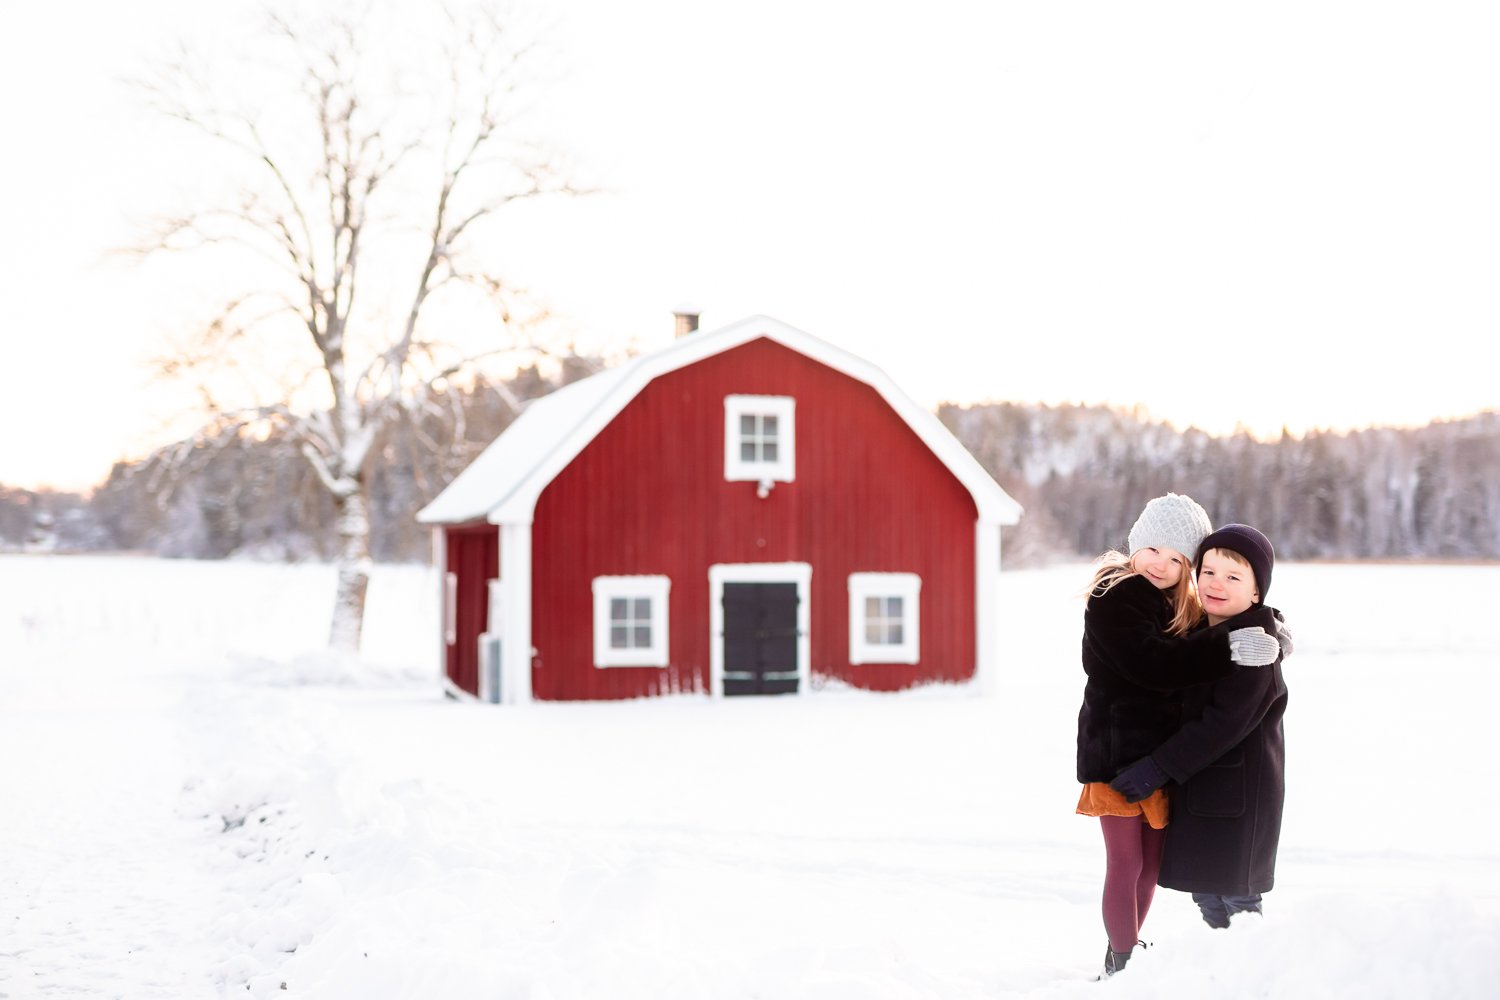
column 1098, row 799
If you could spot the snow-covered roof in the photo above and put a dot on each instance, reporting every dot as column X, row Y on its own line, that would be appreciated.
column 503, row 483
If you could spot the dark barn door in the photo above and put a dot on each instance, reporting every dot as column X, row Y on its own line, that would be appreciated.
column 760, row 638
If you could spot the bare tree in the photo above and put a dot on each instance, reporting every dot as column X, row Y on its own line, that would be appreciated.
column 362, row 196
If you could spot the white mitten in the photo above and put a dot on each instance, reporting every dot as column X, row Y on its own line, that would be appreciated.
column 1252, row 647
column 1284, row 636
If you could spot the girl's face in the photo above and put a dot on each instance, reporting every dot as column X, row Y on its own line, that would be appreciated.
column 1163, row 567
column 1225, row 587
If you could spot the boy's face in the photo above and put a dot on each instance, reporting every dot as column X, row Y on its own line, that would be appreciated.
column 1225, row 586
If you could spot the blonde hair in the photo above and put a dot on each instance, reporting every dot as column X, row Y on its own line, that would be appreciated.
column 1114, row 567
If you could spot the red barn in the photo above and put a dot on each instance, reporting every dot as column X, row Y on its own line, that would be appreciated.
column 745, row 511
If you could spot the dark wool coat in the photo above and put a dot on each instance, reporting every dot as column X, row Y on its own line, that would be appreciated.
column 1228, row 761
column 1131, row 664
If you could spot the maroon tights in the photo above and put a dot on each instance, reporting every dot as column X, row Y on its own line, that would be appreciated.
column 1132, row 852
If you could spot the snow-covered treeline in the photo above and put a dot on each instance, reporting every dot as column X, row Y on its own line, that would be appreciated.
column 235, row 494
column 1083, row 473
column 47, row 520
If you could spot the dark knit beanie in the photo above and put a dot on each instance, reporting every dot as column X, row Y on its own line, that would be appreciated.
column 1248, row 542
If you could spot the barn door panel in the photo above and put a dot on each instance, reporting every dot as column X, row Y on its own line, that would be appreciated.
column 760, row 638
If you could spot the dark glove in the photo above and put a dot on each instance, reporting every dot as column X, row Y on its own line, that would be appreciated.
column 1139, row 780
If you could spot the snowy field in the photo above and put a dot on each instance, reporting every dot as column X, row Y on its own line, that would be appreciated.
column 198, row 803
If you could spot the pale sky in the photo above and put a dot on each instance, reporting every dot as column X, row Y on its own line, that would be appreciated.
column 1271, row 214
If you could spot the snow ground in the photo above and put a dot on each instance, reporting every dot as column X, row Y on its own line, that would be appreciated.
column 197, row 802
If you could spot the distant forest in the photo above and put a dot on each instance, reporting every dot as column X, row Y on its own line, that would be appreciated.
column 1081, row 472
column 233, row 495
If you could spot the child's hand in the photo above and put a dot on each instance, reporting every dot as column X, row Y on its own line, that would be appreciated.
column 1252, row 647
column 1139, row 780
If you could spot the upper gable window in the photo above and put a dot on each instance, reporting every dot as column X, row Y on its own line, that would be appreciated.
column 759, row 438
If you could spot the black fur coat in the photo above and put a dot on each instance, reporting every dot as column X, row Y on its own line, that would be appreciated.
column 1228, row 760
column 1132, row 667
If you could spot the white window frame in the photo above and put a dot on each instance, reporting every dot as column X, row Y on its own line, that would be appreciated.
column 784, row 409
column 657, row 589
column 908, row 587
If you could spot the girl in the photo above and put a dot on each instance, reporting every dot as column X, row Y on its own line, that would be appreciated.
column 1135, row 649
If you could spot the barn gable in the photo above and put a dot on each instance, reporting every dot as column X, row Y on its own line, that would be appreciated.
column 503, row 483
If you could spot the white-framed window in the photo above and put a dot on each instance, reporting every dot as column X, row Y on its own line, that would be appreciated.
column 884, row 620
column 760, row 438
column 630, row 621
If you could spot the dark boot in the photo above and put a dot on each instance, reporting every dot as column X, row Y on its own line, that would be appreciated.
column 1114, row 961
column 1218, row 909
column 1212, row 906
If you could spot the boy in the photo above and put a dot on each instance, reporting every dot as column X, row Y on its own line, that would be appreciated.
column 1228, row 761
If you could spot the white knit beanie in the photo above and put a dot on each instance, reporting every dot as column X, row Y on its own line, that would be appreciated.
column 1171, row 522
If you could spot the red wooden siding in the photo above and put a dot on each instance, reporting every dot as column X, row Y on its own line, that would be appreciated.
column 648, row 496
column 474, row 556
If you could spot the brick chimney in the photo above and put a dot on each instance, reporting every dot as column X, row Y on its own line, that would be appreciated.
column 687, row 320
